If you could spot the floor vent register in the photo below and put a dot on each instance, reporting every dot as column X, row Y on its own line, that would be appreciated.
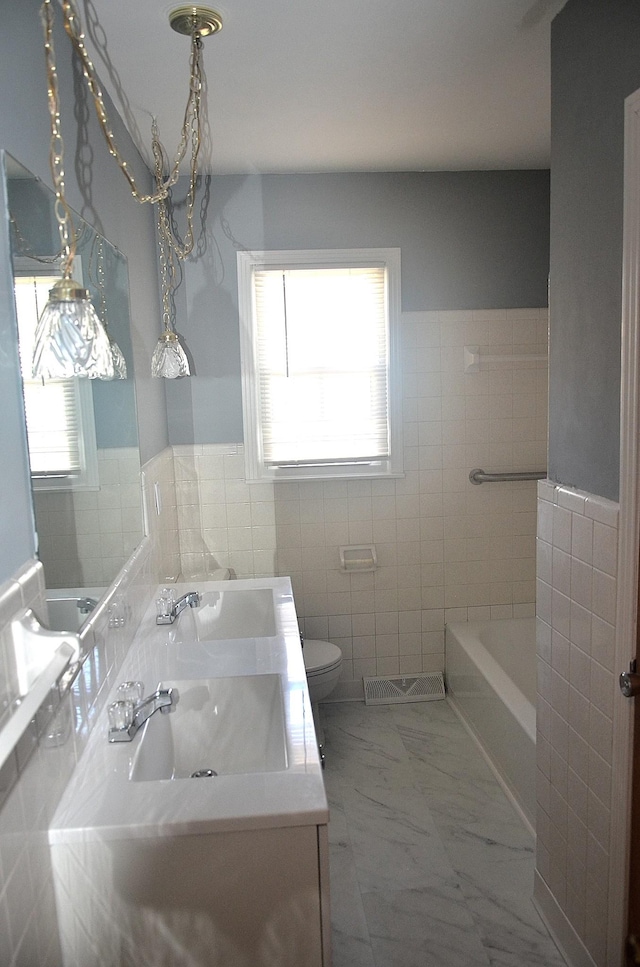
column 403, row 688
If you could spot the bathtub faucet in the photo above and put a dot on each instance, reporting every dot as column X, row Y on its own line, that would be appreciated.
column 125, row 718
column 86, row 605
column 168, row 610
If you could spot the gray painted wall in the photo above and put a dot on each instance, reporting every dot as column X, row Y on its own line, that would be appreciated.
column 468, row 240
column 98, row 191
column 595, row 64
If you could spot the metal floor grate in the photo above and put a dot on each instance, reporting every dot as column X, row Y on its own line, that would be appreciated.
column 403, row 688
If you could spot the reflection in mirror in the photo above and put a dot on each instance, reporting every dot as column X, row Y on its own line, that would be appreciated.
column 82, row 434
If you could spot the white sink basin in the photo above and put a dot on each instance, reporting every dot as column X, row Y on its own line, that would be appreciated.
column 235, row 614
column 227, row 726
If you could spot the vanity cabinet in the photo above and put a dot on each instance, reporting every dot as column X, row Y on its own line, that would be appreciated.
column 246, row 898
column 163, row 869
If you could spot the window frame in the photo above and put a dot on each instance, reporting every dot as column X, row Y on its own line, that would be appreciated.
column 256, row 471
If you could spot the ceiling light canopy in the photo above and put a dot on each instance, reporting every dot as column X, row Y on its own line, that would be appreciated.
column 187, row 20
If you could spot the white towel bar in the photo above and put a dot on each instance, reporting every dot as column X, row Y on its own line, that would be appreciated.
column 473, row 357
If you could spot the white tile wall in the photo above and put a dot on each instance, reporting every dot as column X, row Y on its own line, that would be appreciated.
column 34, row 777
column 577, row 570
column 31, row 782
column 446, row 549
column 161, row 515
column 86, row 536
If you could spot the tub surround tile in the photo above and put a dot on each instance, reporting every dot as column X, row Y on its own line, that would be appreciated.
column 605, row 548
column 560, row 613
column 561, row 571
column 580, row 671
column 574, row 800
column 582, row 538
column 604, row 596
column 581, row 627
column 602, row 641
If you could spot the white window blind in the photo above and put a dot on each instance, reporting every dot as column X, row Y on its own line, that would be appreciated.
column 322, row 358
column 317, row 367
column 61, row 445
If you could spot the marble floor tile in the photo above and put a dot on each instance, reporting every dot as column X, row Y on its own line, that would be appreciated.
column 492, row 856
column 395, row 844
column 350, row 933
column 430, row 927
column 430, row 864
column 512, row 932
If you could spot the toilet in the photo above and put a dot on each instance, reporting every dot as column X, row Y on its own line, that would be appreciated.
column 322, row 662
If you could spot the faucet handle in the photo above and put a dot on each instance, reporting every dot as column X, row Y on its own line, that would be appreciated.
column 120, row 717
column 130, row 692
column 165, row 602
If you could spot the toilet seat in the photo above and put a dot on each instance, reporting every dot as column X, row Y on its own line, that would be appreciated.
column 320, row 657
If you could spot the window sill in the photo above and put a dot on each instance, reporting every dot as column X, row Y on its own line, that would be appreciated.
column 296, row 475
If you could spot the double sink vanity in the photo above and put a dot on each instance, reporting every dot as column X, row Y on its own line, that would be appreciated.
column 201, row 839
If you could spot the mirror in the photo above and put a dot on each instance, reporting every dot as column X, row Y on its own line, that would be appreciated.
column 83, row 434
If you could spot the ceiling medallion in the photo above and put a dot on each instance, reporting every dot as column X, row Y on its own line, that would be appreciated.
column 186, row 20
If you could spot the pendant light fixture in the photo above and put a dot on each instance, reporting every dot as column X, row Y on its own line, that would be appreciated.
column 69, row 340
column 169, row 358
column 119, row 363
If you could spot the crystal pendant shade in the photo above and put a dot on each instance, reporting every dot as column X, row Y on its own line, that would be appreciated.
column 70, row 340
column 119, row 364
column 169, row 359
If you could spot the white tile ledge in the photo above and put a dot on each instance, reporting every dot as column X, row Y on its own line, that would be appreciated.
column 597, row 508
column 44, row 687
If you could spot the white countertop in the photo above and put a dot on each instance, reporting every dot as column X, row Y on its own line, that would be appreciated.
column 101, row 802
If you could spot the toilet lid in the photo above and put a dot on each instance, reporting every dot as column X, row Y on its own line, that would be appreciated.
column 320, row 655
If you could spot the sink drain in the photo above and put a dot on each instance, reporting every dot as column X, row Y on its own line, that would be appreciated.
column 203, row 774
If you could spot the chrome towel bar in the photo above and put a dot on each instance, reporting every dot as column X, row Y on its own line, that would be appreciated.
column 480, row 477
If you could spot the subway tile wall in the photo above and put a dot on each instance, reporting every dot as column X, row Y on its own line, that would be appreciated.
column 86, row 536
column 576, row 615
column 446, row 549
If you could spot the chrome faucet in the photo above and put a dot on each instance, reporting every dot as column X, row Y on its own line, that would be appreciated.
column 86, row 605
column 168, row 610
column 125, row 718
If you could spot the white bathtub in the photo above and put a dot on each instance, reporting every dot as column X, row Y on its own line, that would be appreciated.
column 62, row 604
column 491, row 682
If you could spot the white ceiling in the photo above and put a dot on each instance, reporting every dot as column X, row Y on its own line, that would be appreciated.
column 340, row 85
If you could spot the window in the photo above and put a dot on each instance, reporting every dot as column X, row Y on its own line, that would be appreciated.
column 59, row 412
column 319, row 344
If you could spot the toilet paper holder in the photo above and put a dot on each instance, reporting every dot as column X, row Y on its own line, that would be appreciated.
column 358, row 557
